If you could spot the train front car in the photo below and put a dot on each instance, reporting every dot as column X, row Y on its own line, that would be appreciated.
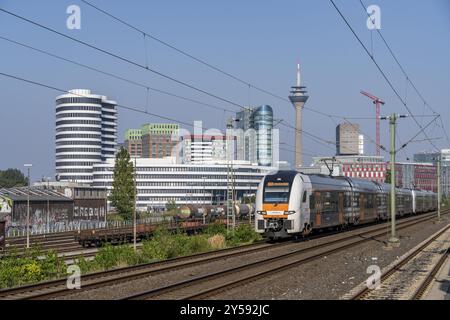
column 281, row 204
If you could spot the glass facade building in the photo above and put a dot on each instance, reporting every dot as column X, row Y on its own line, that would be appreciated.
column 255, row 135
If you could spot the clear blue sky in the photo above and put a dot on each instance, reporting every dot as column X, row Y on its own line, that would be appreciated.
column 259, row 41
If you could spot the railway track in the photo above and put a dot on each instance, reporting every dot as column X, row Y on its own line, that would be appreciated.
column 239, row 275
column 409, row 277
column 216, row 282
column 49, row 289
column 61, row 242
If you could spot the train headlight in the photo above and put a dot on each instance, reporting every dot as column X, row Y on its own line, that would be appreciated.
column 261, row 212
column 289, row 212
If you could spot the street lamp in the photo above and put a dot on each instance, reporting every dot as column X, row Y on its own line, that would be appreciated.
column 28, row 166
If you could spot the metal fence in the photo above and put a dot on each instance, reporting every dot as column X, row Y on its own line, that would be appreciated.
column 20, row 231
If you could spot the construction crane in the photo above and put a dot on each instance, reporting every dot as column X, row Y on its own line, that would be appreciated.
column 378, row 103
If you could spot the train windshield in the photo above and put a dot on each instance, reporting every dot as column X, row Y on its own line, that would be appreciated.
column 276, row 193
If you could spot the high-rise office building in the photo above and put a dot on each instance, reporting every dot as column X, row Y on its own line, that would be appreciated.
column 254, row 135
column 86, row 134
column 347, row 139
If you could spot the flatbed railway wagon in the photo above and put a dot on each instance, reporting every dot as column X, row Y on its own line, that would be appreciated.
column 98, row 237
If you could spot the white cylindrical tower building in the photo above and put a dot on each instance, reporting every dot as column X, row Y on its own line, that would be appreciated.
column 85, row 134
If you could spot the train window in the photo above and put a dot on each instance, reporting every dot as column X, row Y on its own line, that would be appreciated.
column 304, row 197
column 276, row 194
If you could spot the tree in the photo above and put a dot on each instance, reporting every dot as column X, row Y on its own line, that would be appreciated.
column 12, row 178
column 388, row 176
column 123, row 192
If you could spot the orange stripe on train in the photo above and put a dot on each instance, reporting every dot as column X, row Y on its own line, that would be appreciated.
column 276, row 207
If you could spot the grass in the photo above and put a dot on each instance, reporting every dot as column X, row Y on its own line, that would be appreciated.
column 27, row 269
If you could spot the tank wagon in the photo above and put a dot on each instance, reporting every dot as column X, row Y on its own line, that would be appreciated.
column 213, row 212
column 290, row 203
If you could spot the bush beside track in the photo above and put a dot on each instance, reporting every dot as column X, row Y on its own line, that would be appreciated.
column 34, row 267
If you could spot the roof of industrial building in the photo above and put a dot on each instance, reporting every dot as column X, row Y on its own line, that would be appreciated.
column 36, row 194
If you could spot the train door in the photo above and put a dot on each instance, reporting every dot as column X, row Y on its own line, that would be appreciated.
column 375, row 206
column 362, row 207
column 318, row 209
column 330, row 210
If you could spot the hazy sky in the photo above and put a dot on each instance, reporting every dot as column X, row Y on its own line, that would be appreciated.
column 258, row 41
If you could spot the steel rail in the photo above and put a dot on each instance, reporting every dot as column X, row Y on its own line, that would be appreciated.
column 263, row 266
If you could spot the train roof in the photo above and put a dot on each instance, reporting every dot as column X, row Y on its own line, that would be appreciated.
column 323, row 182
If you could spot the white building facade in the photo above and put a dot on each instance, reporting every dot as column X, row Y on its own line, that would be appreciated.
column 162, row 180
column 86, row 134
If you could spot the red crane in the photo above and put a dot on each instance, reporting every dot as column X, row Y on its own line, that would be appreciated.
column 378, row 103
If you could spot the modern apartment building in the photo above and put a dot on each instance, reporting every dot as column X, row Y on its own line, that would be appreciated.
column 159, row 140
column 86, row 134
column 133, row 142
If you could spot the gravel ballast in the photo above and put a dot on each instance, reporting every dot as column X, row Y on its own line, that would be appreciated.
column 333, row 276
column 327, row 278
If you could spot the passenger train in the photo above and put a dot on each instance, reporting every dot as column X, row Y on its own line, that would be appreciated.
column 290, row 203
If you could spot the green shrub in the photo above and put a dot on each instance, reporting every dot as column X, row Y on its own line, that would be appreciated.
column 216, row 228
column 244, row 233
column 85, row 265
column 52, row 266
column 106, row 258
column 198, row 244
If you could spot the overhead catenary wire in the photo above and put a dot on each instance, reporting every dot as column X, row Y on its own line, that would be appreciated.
column 183, row 52
column 122, row 106
column 40, row 84
column 407, row 77
column 139, row 65
column 124, row 59
column 203, row 62
column 398, row 62
column 109, row 74
column 133, row 82
column 388, row 81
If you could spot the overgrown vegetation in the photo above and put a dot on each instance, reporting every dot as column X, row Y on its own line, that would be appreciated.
column 18, row 270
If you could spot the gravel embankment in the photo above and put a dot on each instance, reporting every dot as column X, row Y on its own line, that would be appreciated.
column 334, row 275
column 322, row 279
